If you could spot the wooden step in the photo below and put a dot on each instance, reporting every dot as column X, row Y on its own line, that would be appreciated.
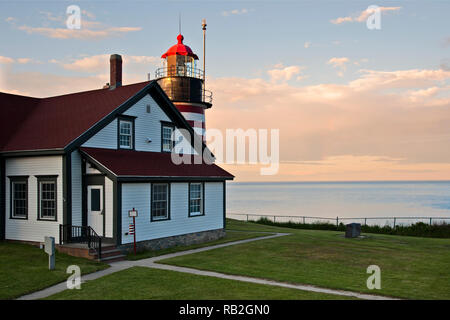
column 107, row 248
column 109, row 254
column 119, row 257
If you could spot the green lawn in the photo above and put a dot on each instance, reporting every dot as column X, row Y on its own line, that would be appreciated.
column 139, row 283
column 231, row 235
column 24, row 269
column 411, row 267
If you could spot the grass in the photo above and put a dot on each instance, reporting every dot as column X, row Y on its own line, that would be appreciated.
column 230, row 236
column 411, row 267
column 24, row 269
column 140, row 283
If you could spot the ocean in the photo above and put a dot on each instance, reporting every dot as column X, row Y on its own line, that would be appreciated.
column 345, row 200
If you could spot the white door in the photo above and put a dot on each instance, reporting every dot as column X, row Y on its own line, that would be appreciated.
column 95, row 208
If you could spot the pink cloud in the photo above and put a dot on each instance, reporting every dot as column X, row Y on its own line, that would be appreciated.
column 362, row 16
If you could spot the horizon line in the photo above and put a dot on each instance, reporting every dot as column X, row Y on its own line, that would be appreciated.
column 339, row 181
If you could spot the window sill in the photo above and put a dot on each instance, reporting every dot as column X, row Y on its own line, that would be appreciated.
column 48, row 220
column 194, row 214
column 157, row 220
column 19, row 218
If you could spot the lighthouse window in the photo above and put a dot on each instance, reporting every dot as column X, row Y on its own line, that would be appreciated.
column 167, row 138
column 125, row 134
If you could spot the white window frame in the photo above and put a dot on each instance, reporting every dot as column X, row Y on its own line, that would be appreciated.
column 167, row 216
column 172, row 130
column 121, row 146
column 55, row 200
column 13, row 198
column 200, row 198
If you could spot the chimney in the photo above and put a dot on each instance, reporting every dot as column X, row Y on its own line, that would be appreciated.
column 115, row 71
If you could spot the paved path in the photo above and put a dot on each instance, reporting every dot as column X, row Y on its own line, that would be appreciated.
column 151, row 263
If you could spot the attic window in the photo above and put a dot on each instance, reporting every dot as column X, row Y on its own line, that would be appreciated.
column 125, row 134
column 167, row 142
column 149, row 108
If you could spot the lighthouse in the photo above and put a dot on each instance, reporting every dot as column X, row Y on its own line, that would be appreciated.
column 184, row 83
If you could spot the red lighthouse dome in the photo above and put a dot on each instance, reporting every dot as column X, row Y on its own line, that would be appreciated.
column 180, row 49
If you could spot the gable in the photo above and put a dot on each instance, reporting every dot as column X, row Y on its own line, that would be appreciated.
column 53, row 123
column 148, row 117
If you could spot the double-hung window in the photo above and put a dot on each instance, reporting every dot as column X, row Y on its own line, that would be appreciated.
column 47, row 198
column 160, row 201
column 195, row 199
column 125, row 134
column 167, row 142
column 19, row 197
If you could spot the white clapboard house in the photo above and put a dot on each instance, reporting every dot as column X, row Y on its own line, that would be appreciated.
column 73, row 166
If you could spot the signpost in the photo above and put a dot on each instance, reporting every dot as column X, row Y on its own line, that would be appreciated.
column 132, row 228
column 49, row 248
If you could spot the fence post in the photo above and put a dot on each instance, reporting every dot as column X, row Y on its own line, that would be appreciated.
column 247, row 218
column 304, row 220
column 394, row 221
column 273, row 219
column 430, row 221
column 365, row 221
column 337, row 222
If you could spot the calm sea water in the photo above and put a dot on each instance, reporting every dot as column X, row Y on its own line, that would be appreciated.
column 342, row 199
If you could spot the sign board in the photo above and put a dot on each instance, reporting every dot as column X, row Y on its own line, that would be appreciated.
column 132, row 213
column 49, row 246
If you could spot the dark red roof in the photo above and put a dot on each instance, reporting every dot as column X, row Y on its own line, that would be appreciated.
column 180, row 49
column 52, row 123
column 151, row 164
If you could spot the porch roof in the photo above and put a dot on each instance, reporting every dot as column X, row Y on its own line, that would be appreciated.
column 142, row 164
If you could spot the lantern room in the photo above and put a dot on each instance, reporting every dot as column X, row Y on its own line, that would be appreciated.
column 180, row 78
column 179, row 59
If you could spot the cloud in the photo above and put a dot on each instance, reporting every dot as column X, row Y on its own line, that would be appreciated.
column 90, row 29
column 307, row 45
column 400, row 114
column 346, row 168
column 85, row 34
column 100, row 63
column 235, row 12
column 362, row 16
column 6, row 60
column 413, row 78
column 38, row 84
column 281, row 73
column 338, row 62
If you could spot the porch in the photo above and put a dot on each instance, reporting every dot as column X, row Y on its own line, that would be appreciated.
column 84, row 242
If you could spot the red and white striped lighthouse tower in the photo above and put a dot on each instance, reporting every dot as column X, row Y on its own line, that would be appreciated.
column 184, row 83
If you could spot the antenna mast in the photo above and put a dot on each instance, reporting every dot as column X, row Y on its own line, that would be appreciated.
column 204, row 55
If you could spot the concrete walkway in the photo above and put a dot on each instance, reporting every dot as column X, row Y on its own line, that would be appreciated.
column 152, row 263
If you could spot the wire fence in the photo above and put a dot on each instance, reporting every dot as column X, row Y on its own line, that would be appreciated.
column 380, row 221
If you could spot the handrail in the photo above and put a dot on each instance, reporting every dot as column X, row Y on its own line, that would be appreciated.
column 179, row 71
column 81, row 234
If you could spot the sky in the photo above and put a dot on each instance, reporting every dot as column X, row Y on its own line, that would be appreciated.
column 351, row 103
